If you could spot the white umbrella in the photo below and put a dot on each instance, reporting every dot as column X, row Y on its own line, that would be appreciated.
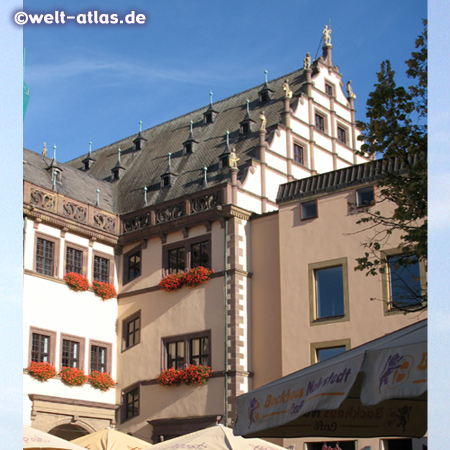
column 376, row 389
column 34, row 439
column 110, row 439
column 217, row 437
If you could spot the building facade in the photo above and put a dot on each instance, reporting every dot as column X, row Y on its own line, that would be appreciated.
column 202, row 190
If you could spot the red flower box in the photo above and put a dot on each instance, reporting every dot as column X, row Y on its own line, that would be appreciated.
column 100, row 380
column 192, row 278
column 42, row 371
column 104, row 290
column 72, row 376
column 191, row 374
column 76, row 282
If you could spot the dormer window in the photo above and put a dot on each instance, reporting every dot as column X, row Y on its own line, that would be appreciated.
column 264, row 97
column 165, row 180
column 208, row 118
column 224, row 161
column 245, row 127
column 188, row 147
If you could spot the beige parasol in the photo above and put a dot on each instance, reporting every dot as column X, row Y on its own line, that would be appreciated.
column 36, row 439
column 217, row 437
column 110, row 439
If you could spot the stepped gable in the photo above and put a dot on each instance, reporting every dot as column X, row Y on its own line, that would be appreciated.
column 74, row 183
column 144, row 168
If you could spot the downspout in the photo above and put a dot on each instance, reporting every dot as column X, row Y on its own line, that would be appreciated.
column 225, row 278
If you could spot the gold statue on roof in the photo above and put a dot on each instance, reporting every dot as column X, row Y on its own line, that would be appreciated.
column 307, row 62
column 286, row 89
column 263, row 119
column 44, row 150
column 350, row 92
column 233, row 159
column 326, row 35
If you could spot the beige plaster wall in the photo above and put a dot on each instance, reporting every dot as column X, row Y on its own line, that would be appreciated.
column 266, row 302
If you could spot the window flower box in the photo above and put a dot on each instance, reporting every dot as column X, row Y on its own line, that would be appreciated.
column 72, row 376
column 171, row 282
column 101, row 380
column 191, row 374
column 104, row 290
column 192, row 278
column 76, row 282
column 41, row 371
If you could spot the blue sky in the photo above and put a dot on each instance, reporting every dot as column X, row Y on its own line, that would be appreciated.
column 95, row 84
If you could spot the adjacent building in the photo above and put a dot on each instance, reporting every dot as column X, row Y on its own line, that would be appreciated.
column 203, row 190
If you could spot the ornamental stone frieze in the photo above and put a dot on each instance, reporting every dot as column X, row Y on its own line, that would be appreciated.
column 169, row 212
column 42, row 199
column 206, row 202
column 75, row 211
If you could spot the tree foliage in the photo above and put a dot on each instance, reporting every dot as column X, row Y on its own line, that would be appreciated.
column 397, row 128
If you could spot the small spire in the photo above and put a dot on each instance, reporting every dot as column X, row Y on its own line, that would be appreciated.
column 248, row 106
column 170, row 159
column 210, row 98
column 191, row 123
column 55, row 174
column 98, row 198
column 265, row 75
column 118, row 155
column 140, row 126
column 145, row 195
column 54, row 152
column 228, row 138
column 205, row 178
column 90, row 148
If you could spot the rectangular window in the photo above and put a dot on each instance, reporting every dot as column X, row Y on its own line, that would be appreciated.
column 131, row 331
column 404, row 282
column 45, row 254
column 309, row 209
column 327, row 353
column 190, row 349
column 101, row 269
column 298, row 154
column 194, row 252
column 74, row 260
column 133, row 266
column 200, row 254
column 130, row 403
column 177, row 260
column 320, row 123
column 329, row 286
column 342, row 135
column 98, row 358
column 40, row 348
column 365, row 196
column 70, row 355
column 328, row 89
column 175, row 354
column 42, row 345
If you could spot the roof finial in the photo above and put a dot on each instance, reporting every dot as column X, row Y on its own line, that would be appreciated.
column 210, row 98
column 119, row 153
column 98, row 198
column 205, row 178
column 190, row 126
column 265, row 75
column 55, row 174
column 140, row 126
column 54, row 152
column 145, row 195
column 170, row 159
column 228, row 138
column 248, row 106
column 90, row 148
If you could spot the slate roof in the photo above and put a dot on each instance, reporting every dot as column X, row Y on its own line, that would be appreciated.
column 338, row 179
column 74, row 183
column 145, row 167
